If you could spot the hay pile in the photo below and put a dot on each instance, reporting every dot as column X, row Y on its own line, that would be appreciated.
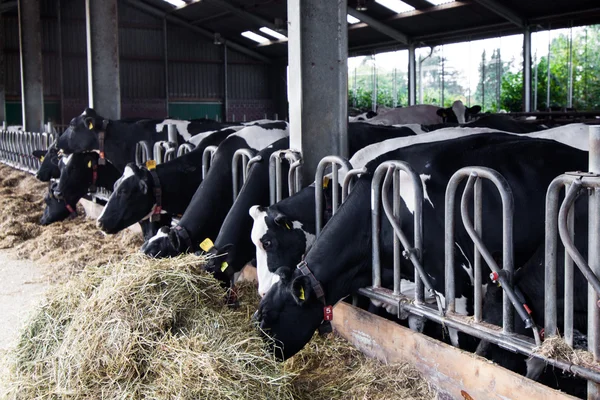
column 556, row 347
column 67, row 246
column 145, row 328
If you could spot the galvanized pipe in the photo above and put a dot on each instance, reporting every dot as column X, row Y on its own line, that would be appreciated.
column 184, row 149
column 336, row 162
column 172, row 134
column 142, row 152
column 477, row 265
column 397, row 202
column 245, row 155
column 569, row 279
column 295, row 178
column 348, row 179
column 207, row 156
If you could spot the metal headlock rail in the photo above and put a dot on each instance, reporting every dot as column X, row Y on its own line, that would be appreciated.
column 16, row 148
column 336, row 163
column 207, row 157
column 143, row 153
column 560, row 221
column 184, row 149
column 294, row 158
column 247, row 156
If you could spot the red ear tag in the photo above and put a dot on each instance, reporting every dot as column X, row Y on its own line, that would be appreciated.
column 328, row 313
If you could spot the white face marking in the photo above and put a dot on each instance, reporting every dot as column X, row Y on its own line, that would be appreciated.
column 424, row 179
column 266, row 278
column 258, row 138
column 126, row 174
column 66, row 159
column 468, row 268
column 459, row 110
column 181, row 127
column 159, row 234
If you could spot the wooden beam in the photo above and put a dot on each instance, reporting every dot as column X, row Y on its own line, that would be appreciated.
column 454, row 373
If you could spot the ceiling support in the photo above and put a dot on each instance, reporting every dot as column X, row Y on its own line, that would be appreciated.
column 246, row 14
column 503, row 11
column 379, row 26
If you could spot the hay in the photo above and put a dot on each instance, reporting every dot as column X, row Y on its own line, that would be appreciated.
column 146, row 328
column 556, row 347
column 67, row 246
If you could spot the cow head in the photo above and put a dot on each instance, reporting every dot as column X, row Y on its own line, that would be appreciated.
column 279, row 241
column 458, row 113
column 76, row 174
column 56, row 209
column 131, row 201
column 219, row 261
column 289, row 313
column 160, row 245
column 49, row 168
column 82, row 133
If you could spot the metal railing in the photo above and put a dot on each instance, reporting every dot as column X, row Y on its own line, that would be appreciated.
column 207, row 157
column 16, row 148
column 246, row 156
column 184, row 149
column 336, row 163
column 294, row 159
column 143, row 153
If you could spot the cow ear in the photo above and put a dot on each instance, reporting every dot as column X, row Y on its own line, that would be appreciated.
column 442, row 112
column 283, row 221
column 474, row 110
column 89, row 123
column 39, row 154
column 143, row 186
column 301, row 289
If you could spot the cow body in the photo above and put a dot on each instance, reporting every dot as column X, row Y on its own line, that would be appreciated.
column 340, row 259
column 213, row 198
column 134, row 197
column 426, row 114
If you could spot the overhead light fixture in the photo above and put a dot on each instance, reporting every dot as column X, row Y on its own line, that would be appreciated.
column 176, row 3
column 396, row 6
column 253, row 36
column 438, row 2
column 272, row 33
column 352, row 20
column 361, row 5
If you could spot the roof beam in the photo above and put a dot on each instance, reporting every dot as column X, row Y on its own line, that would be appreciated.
column 379, row 26
column 204, row 32
column 260, row 21
column 503, row 11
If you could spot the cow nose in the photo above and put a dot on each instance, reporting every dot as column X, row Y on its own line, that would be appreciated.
column 99, row 224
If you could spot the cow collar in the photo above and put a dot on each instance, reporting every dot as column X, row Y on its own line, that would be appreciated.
column 71, row 210
column 155, row 216
column 94, row 166
column 318, row 288
column 183, row 233
column 101, row 137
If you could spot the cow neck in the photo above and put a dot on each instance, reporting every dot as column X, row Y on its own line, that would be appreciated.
column 101, row 140
column 108, row 174
column 339, row 259
column 158, row 196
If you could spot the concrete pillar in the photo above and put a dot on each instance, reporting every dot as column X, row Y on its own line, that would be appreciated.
column 32, row 87
column 278, row 73
column 318, row 85
column 412, row 76
column 102, row 30
column 527, row 69
column 2, row 72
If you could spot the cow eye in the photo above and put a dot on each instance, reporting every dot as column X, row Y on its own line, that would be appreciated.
column 266, row 244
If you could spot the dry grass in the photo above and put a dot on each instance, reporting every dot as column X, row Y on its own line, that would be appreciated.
column 556, row 347
column 67, row 246
column 145, row 328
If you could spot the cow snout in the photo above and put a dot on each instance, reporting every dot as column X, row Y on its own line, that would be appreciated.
column 99, row 224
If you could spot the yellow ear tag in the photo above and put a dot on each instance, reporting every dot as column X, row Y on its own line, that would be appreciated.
column 89, row 164
column 206, row 245
column 224, row 266
column 288, row 226
column 301, row 296
column 90, row 125
column 151, row 164
column 325, row 182
column 42, row 159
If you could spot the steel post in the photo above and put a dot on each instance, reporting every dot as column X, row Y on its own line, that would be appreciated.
column 527, row 69
column 594, row 257
column 412, row 76
column 32, row 87
column 172, row 134
column 102, row 31
column 318, row 119
column 568, row 284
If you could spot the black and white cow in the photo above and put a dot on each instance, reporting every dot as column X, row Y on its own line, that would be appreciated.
column 301, row 207
column 49, row 168
column 57, row 209
column 134, row 197
column 213, row 198
column 426, row 114
column 363, row 117
column 121, row 137
column 492, row 121
column 340, row 259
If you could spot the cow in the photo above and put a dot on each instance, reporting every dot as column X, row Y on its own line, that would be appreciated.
column 303, row 206
column 57, row 209
column 363, row 117
column 213, row 198
column 496, row 122
column 134, row 195
column 426, row 114
column 87, row 131
column 340, row 259
column 49, row 159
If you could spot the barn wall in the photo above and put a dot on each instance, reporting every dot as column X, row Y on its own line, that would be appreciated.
column 195, row 70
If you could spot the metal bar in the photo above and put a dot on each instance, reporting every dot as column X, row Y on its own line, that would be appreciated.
column 548, row 70
column 568, row 284
column 477, row 265
column 336, row 162
column 350, row 175
column 207, row 156
column 204, row 32
column 278, row 188
column 503, row 11
column 570, row 83
column 249, row 16
column 245, row 155
column 412, row 77
column 527, row 69
column 397, row 201
column 594, row 257
column 379, row 26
